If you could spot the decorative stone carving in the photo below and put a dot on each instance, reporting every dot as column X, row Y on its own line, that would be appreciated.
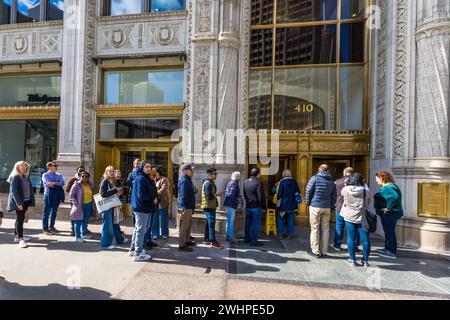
column 20, row 43
column 203, row 16
column 244, row 63
column 400, row 85
column 50, row 42
column 164, row 35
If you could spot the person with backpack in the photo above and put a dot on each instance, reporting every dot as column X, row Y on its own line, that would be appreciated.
column 388, row 206
column 143, row 205
column 209, row 206
column 232, row 201
column 287, row 205
column 355, row 200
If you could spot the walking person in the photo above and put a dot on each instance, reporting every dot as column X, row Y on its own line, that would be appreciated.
column 143, row 204
column 388, row 205
column 321, row 199
column 287, row 205
column 355, row 196
column 81, row 197
column 233, row 202
column 160, row 223
column 110, row 230
column 340, row 223
column 53, row 196
column 255, row 206
column 186, row 206
column 20, row 198
column 209, row 206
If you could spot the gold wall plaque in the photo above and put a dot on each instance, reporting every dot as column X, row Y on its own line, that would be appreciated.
column 433, row 200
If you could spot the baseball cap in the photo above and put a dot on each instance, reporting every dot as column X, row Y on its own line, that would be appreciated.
column 187, row 167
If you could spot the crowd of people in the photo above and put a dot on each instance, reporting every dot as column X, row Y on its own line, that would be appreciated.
column 349, row 197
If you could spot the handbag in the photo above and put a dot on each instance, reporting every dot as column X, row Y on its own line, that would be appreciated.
column 369, row 219
column 104, row 204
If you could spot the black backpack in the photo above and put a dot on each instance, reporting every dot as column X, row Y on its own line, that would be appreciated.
column 369, row 219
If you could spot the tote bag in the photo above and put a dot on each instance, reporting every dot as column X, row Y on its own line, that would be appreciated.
column 104, row 204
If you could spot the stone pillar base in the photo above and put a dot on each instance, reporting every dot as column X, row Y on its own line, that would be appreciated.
column 425, row 234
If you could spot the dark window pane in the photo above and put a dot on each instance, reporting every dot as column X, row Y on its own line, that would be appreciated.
column 138, row 128
column 28, row 10
column 352, row 42
column 30, row 90
column 306, row 45
column 122, row 7
column 55, row 10
column 261, row 48
column 353, row 9
column 5, row 11
column 306, row 10
column 305, row 98
column 166, row 5
column 262, row 12
column 352, row 98
column 33, row 141
column 260, row 99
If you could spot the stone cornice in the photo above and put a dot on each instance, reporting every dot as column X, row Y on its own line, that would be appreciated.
column 427, row 28
column 142, row 17
column 32, row 25
column 31, row 61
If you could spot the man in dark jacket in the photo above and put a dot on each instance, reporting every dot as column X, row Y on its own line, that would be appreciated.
column 186, row 206
column 255, row 206
column 142, row 204
column 321, row 199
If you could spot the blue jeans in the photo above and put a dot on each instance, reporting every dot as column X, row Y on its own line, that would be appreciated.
column 49, row 211
column 87, row 211
column 110, row 230
column 210, row 227
column 148, row 231
column 290, row 219
column 252, row 223
column 162, row 216
column 339, row 232
column 352, row 231
column 389, row 223
column 142, row 226
column 231, row 214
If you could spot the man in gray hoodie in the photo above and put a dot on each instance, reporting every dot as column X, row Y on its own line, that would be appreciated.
column 321, row 199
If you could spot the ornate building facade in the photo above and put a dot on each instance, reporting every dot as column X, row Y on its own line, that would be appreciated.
column 344, row 82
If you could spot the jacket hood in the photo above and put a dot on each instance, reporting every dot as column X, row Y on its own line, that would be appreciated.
column 140, row 169
column 325, row 175
column 357, row 191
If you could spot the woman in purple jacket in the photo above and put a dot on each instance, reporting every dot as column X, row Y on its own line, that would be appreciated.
column 232, row 201
column 81, row 196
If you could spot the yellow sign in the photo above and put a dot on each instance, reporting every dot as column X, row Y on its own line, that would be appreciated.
column 433, row 200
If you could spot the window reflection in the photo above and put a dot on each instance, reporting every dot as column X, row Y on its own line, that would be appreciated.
column 5, row 11
column 144, row 87
column 351, row 97
column 149, row 128
column 260, row 99
column 55, row 10
column 28, row 10
column 352, row 42
column 261, row 48
column 306, row 45
column 262, row 12
column 289, row 11
column 166, row 5
column 305, row 98
column 122, row 7
column 352, row 9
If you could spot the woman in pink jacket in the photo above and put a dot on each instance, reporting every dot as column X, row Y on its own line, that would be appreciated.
column 81, row 196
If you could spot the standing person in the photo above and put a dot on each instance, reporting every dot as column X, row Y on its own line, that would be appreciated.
column 148, row 242
column 287, row 204
column 68, row 187
column 1, row 213
column 232, row 201
column 340, row 223
column 81, row 197
column 355, row 199
column 118, row 211
column 209, row 206
column 132, row 174
column 388, row 205
column 142, row 204
column 53, row 196
column 255, row 206
column 321, row 199
column 186, row 206
column 160, row 223
column 21, row 196
column 110, row 230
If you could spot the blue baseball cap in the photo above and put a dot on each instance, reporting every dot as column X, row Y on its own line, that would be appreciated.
column 187, row 167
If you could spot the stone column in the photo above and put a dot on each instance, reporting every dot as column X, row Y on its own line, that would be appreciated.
column 76, row 120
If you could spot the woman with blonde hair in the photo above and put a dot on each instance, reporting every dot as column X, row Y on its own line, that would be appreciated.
column 21, row 196
column 110, row 229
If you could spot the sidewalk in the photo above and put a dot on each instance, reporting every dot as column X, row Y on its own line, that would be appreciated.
column 278, row 270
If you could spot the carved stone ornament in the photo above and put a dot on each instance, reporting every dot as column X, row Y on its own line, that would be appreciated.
column 164, row 35
column 118, row 38
column 20, row 44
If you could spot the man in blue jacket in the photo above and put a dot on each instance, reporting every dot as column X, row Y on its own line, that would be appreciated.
column 321, row 199
column 186, row 206
column 142, row 203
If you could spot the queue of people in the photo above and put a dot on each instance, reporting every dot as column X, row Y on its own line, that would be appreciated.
column 348, row 198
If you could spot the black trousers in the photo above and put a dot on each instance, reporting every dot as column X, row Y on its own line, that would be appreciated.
column 20, row 218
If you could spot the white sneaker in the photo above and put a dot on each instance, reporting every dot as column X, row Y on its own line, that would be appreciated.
column 125, row 240
column 79, row 240
column 22, row 244
column 142, row 257
column 110, row 248
column 26, row 239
